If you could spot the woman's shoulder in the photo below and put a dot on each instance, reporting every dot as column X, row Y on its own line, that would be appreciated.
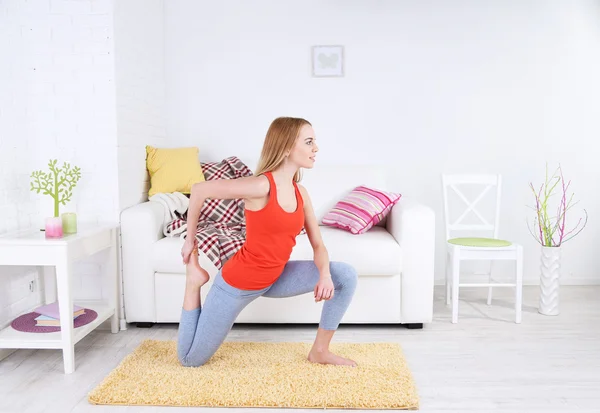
column 303, row 191
column 262, row 184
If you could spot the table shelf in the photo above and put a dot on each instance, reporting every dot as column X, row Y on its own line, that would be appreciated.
column 11, row 338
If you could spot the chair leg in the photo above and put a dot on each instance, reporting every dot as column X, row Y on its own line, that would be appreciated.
column 448, row 279
column 489, row 297
column 519, row 286
column 455, row 285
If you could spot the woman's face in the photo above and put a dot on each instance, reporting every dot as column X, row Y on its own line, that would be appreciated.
column 305, row 149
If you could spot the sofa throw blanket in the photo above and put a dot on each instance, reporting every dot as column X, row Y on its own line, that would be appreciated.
column 175, row 205
column 221, row 230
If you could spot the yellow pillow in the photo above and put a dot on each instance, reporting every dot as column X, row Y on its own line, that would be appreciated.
column 173, row 169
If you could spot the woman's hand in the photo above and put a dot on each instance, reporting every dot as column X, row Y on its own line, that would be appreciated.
column 324, row 289
column 188, row 248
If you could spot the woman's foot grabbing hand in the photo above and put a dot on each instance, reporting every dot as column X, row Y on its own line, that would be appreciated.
column 195, row 275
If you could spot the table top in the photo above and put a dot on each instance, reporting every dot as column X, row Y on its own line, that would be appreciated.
column 37, row 237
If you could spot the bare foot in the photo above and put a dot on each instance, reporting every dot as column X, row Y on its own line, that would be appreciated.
column 196, row 276
column 327, row 357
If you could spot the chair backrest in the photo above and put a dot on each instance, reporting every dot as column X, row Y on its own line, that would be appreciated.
column 491, row 184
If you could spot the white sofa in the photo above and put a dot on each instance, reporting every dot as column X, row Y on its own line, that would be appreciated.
column 394, row 260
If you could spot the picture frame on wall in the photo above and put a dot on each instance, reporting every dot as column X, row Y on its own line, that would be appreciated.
column 328, row 61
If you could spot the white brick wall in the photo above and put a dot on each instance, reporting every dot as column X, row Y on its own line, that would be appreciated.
column 140, row 75
column 57, row 100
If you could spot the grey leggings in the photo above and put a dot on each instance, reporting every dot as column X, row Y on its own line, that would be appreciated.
column 203, row 330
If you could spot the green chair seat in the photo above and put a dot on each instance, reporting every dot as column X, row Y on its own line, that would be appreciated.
column 479, row 242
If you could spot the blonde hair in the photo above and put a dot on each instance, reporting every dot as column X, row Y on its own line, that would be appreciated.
column 280, row 139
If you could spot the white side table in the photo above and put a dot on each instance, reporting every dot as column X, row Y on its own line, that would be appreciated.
column 55, row 257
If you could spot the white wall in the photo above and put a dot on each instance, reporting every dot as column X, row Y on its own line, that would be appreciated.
column 141, row 113
column 430, row 87
column 57, row 100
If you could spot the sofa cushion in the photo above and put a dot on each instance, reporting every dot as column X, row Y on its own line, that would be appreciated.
column 166, row 255
column 374, row 253
column 173, row 169
column 362, row 208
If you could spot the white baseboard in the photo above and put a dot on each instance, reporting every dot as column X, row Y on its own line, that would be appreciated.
column 5, row 352
column 528, row 281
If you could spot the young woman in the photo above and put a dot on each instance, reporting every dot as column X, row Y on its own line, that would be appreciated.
column 276, row 209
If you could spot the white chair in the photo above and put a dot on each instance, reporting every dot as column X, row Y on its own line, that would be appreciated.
column 478, row 247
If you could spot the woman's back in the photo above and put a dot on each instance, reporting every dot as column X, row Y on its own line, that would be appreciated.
column 270, row 237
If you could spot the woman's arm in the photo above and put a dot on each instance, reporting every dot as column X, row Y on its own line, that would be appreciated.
column 240, row 188
column 321, row 256
column 324, row 289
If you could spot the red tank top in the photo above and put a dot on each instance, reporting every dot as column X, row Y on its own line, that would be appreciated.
column 270, row 237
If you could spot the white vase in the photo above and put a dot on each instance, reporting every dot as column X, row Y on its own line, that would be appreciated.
column 549, row 280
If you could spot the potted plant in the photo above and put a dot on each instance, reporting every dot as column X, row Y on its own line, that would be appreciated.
column 550, row 231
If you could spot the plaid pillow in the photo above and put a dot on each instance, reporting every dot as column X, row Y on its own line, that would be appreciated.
column 361, row 209
column 223, row 210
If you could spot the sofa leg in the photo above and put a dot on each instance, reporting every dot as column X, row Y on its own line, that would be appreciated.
column 413, row 326
column 144, row 325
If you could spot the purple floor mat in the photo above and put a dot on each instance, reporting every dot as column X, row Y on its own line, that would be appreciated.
column 26, row 322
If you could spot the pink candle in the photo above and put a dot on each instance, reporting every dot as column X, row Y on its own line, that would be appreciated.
column 54, row 227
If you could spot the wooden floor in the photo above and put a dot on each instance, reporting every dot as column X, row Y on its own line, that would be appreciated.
column 482, row 364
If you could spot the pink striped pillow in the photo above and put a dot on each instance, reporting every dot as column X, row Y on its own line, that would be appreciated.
column 361, row 209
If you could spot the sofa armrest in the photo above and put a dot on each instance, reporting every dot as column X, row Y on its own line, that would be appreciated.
column 412, row 224
column 141, row 227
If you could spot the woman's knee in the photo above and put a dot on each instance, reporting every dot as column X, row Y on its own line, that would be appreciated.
column 194, row 357
column 188, row 361
column 344, row 273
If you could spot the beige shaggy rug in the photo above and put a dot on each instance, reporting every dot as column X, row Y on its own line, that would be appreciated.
column 262, row 374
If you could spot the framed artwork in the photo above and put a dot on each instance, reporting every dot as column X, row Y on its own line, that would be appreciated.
column 328, row 61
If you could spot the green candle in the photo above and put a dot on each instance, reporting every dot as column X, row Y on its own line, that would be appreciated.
column 69, row 222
